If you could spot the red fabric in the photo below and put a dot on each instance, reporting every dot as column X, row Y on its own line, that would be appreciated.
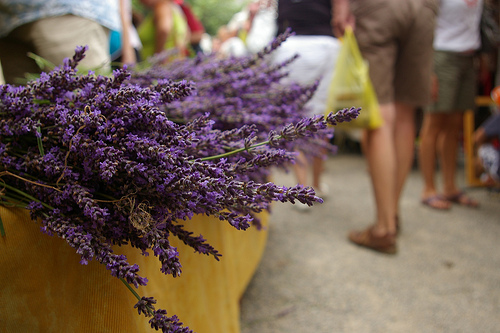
column 496, row 143
column 192, row 21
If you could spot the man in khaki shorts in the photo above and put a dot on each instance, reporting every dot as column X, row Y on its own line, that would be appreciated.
column 52, row 30
column 395, row 37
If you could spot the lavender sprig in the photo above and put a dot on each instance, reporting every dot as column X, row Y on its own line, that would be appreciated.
column 159, row 319
column 291, row 132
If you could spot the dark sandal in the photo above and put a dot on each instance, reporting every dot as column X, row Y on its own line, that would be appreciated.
column 463, row 200
column 434, row 201
column 366, row 238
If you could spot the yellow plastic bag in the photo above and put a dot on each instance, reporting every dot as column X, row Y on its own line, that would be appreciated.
column 351, row 87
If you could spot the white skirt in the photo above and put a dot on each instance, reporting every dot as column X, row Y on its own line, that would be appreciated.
column 317, row 57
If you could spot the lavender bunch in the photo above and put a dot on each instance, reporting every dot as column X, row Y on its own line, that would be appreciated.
column 238, row 92
column 99, row 162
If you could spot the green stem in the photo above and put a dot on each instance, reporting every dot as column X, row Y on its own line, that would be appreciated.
column 236, row 151
column 26, row 175
column 130, row 288
column 20, row 154
column 41, row 101
column 13, row 204
column 39, row 141
column 150, row 309
column 9, row 203
column 13, row 200
column 26, row 195
column 103, row 195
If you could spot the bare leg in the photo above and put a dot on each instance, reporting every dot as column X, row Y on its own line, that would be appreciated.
column 448, row 152
column 300, row 168
column 318, row 163
column 381, row 157
column 404, row 139
column 389, row 151
column 430, row 133
column 303, row 166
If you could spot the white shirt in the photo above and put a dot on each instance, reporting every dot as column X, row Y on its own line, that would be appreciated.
column 458, row 26
column 234, row 47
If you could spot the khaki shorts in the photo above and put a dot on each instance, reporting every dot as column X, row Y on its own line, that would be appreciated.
column 456, row 82
column 54, row 39
column 395, row 37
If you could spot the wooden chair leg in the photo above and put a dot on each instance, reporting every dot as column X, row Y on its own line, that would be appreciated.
column 470, row 156
column 469, row 149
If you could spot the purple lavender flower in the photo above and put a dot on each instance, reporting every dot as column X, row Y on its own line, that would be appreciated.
column 145, row 305
column 160, row 321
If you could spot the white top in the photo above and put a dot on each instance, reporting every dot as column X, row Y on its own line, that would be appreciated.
column 263, row 30
column 457, row 26
column 233, row 47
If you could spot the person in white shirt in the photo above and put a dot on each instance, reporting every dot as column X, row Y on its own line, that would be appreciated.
column 456, row 40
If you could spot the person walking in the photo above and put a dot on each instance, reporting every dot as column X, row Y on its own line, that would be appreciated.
column 457, row 38
column 317, row 48
column 395, row 37
column 52, row 30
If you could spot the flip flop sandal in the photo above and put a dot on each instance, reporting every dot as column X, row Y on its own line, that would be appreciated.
column 463, row 200
column 434, row 202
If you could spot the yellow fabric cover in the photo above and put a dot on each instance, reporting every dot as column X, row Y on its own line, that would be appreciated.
column 44, row 288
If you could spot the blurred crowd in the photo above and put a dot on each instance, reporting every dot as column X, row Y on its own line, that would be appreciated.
column 121, row 32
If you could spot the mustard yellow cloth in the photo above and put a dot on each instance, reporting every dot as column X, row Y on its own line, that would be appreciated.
column 44, row 288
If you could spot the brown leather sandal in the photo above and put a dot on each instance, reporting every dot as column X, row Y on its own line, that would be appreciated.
column 366, row 238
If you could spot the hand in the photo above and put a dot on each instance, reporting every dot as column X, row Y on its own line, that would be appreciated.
column 342, row 17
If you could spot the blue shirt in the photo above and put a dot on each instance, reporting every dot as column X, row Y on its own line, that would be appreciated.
column 14, row 13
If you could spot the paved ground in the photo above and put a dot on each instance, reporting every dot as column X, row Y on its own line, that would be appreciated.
column 445, row 278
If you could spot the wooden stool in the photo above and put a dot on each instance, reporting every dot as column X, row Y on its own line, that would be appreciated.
column 469, row 149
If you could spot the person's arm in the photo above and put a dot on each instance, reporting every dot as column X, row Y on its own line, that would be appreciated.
column 342, row 17
column 128, row 53
column 490, row 128
column 479, row 137
column 195, row 26
column 253, row 8
column 164, row 22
